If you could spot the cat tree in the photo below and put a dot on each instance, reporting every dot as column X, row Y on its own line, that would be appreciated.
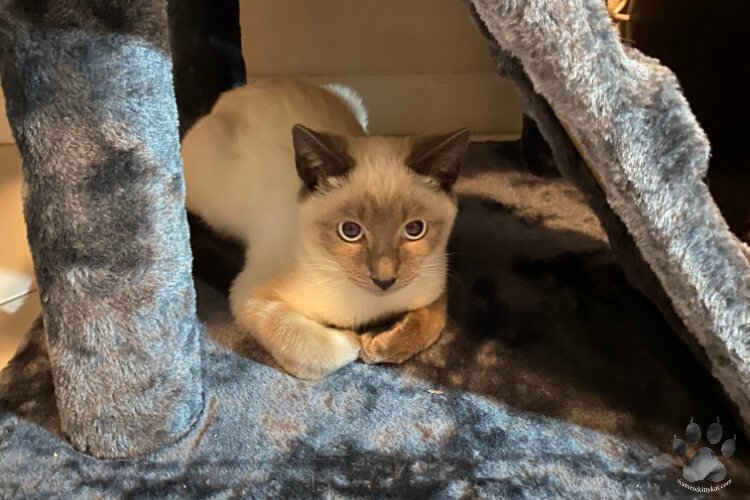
column 119, row 389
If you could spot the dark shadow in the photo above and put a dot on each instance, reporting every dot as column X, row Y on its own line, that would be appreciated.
column 26, row 383
column 544, row 321
column 216, row 260
column 206, row 49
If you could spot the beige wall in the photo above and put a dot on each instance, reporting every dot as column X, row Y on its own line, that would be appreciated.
column 5, row 136
column 420, row 65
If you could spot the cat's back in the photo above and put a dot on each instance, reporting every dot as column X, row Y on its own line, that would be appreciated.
column 239, row 159
column 270, row 108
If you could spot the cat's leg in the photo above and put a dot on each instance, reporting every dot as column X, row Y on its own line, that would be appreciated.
column 303, row 347
column 417, row 331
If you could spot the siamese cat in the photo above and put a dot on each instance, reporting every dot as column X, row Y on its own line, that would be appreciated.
column 341, row 229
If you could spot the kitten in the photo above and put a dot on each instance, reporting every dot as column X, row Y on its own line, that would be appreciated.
column 341, row 229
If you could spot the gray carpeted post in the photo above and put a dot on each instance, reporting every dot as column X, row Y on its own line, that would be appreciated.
column 636, row 133
column 574, row 169
column 91, row 104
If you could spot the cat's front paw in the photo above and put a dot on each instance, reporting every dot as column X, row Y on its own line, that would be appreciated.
column 370, row 352
column 417, row 331
column 384, row 348
column 321, row 354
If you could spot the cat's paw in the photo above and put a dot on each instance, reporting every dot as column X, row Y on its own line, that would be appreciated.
column 417, row 331
column 323, row 353
column 383, row 348
column 704, row 464
column 371, row 352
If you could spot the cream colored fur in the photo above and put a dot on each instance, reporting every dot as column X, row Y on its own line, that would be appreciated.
column 241, row 179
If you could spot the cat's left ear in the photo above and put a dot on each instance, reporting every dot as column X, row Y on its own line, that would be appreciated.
column 319, row 155
column 440, row 156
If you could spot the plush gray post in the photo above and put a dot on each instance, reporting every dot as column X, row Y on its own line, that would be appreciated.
column 575, row 170
column 91, row 104
column 649, row 156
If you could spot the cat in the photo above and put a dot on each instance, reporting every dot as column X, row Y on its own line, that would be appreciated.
column 341, row 228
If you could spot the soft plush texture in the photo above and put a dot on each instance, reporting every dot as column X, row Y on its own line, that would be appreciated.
column 648, row 154
column 554, row 379
column 574, row 169
column 91, row 104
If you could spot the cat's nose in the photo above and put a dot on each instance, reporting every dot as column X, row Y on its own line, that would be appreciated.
column 384, row 284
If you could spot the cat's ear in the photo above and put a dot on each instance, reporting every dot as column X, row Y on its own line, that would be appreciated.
column 440, row 156
column 319, row 155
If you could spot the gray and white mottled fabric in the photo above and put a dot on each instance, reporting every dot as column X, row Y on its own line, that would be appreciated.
column 554, row 378
column 91, row 104
column 638, row 136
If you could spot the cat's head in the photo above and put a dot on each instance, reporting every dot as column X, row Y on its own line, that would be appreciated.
column 378, row 208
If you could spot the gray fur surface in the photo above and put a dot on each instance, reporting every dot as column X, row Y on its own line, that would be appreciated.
column 91, row 103
column 555, row 379
column 637, row 134
column 573, row 168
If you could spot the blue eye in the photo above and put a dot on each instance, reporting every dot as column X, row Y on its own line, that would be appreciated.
column 415, row 229
column 350, row 231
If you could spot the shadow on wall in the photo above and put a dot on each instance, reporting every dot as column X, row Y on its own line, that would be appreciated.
column 206, row 52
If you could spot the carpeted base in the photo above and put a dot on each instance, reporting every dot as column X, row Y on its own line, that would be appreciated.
column 554, row 379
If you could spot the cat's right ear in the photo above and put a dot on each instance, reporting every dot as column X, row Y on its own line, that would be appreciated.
column 319, row 155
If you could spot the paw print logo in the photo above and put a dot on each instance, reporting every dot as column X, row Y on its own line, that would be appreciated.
column 704, row 465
